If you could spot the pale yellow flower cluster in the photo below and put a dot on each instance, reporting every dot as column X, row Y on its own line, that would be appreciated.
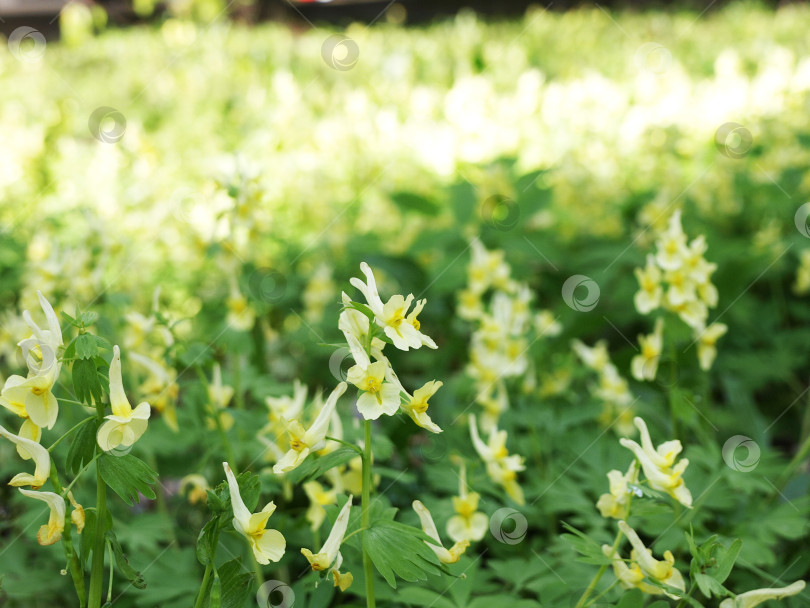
column 678, row 279
column 612, row 389
column 500, row 343
column 502, row 467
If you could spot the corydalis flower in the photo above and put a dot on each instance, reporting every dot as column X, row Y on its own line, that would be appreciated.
column 659, row 465
column 662, row 571
column 615, row 503
column 501, row 467
column 393, row 317
column 329, row 555
column 446, row 556
column 304, row 441
column 468, row 523
column 645, row 364
column 378, row 396
column 267, row 545
column 42, row 461
column 124, row 426
column 749, row 599
column 31, row 397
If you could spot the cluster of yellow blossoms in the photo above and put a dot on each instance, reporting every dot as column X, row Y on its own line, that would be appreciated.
column 499, row 345
column 678, row 279
column 612, row 389
column 643, row 571
column 32, row 399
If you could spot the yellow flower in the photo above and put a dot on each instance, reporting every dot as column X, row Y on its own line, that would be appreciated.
column 77, row 515
column 662, row 571
column 501, row 467
column 595, row 358
column 379, row 396
column 198, row 485
column 267, row 545
column 659, row 464
column 707, row 339
column 648, row 298
column 303, row 441
column 51, row 532
column 416, row 406
column 749, row 599
column 282, row 409
column 446, row 556
column 241, row 315
column 42, row 461
column 318, row 498
column 393, row 317
column 331, row 548
column 468, row 523
column 615, row 503
column 124, row 426
column 672, row 245
column 219, row 395
column 629, row 576
column 645, row 365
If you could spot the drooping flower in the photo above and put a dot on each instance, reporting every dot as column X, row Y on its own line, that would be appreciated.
column 749, row 599
column 662, row 571
column 304, row 441
column 51, row 532
column 219, row 396
column 124, row 426
column 318, row 498
column 659, row 464
column 446, row 556
column 650, row 292
column 329, row 555
column 267, row 545
column 42, row 461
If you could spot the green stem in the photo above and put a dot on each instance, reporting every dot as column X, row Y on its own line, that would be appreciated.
column 598, row 576
column 55, row 443
column 209, row 568
column 365, row 519
column 801, row 455
column 74, row 565
column 346, row 443
column 97, row 566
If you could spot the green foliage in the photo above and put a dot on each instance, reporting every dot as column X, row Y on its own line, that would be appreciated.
column 398, row 550
column 127, row 476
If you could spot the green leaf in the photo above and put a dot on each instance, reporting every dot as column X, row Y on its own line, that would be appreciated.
column 421, row 596
column 86, row 382
column 397, row 550
column 89, row 532
column 583, row 544
column 315, row 467
column 122, row 563
column 726, row 563
column 127, row 476
column 410, row 201
column 236, row 582
column 86, row 346
column 205, row 541
column 83, row 446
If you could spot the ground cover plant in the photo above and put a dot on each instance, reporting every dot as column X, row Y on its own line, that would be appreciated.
column 460, row 315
